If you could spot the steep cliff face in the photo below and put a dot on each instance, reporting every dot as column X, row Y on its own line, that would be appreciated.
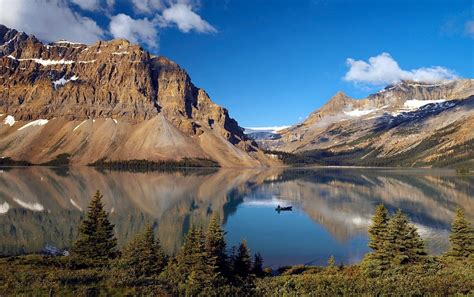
column 112, row 100
column 409, row 124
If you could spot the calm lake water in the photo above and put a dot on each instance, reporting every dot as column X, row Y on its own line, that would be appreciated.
column 332, row 208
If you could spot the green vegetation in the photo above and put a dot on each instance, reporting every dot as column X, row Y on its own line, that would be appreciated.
column 96, row 242
column 398, row 265
column 461, row 237
column 142, row 260
column 7, row 161
column 293, row 159
column 394, row 241
column 60, row 160
column 145, row 165
column 462, row 171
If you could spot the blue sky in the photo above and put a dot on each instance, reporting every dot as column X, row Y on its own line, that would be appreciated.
column 272, row 62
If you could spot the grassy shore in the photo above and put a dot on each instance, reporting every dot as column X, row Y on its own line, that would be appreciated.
column 438, row 276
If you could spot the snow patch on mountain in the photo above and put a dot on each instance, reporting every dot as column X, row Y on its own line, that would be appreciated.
column 86, row 62
column 415, row 104
column 4, row 207
column 79, row 125
column 75, row 204
column 67, row 42
column 28, row 205
column 359, row 112
column 62, row 81
column 40, row 122
column 44, row 62
column 9, row 120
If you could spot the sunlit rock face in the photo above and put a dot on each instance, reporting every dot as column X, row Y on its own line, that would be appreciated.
column 408, row 123
column 109, row 100
column 41, row 205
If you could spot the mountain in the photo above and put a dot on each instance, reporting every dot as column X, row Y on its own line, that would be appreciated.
column 264, row 133
column 405, row 124
column 108, row 101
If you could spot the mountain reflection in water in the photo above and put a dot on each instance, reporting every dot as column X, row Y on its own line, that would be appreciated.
column 332, row 207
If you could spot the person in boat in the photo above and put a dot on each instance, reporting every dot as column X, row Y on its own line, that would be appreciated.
column 279, row 208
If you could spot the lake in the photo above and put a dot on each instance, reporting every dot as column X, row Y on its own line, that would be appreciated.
column 332, row 207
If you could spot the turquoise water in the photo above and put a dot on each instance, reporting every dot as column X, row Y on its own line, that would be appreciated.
column 331, row 212
column 287, row 238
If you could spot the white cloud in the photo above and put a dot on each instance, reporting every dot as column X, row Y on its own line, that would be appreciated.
column 49, row 20
column 110, row 3
column 469, row 28
column 383, row 69
column 52, row 20
column 148, row 6
column 135, row 30
column 91, row 5
column 185, row 19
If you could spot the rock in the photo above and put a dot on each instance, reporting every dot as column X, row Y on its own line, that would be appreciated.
column 116, row 80
column 408, row 124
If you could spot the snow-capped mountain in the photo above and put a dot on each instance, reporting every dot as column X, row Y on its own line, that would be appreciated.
column 409, row 124
column 264, row 133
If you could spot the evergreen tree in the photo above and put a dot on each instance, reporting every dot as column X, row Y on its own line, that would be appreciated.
column 242, row 262
column 331, row 267
column 96, row 239
column 188, row 255
column 461, row 237
column 257, row 268
column 142, row 258
column 331, row 262
column 378, row 229
column 154, row 258
column 403, row 245
column 415, row 244
column 193, row 272
column 376, row 262
column 196, row 256
column 215, row 246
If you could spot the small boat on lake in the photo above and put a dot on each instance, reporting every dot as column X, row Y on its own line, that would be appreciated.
column 285, row 208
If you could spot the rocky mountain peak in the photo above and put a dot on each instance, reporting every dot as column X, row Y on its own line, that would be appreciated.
column 395, row 99
column 110, row 80
column 397, row 94
column 336, row 103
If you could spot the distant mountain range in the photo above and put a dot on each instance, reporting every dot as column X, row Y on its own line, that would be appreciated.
column 405, row 124
column 115, row 102
column 108, row 101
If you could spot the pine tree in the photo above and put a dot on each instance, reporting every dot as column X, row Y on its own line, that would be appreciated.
column 215, row 246
column 415, row 244
column 461, row 237
column 242, row 262
column 376, row 262
column 378, row 229
column 196, row 255
column 142, row 258
column 96, row 240
column 155, row 257
column 257, row 268
column 193, row 271
column 331, row 262
column 403, row 245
